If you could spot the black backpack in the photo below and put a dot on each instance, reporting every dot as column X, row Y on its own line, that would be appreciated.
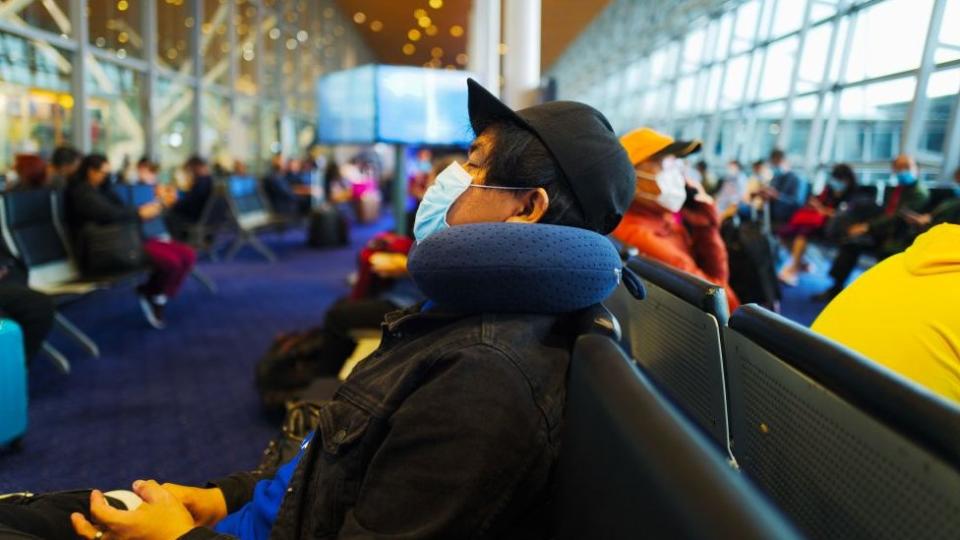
column 752, row 261
column 291, row 363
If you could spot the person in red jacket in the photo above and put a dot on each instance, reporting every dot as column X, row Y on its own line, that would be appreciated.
column 672, row 219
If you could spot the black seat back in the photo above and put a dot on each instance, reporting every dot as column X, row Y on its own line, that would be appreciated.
column 674, row 333
column 845, row 447
column 631, row 466
column 32, row 224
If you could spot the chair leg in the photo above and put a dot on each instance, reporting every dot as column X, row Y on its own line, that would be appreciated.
column 262, row 248
column 238, row 242
column 77, row 334
column 204, row 280
column 243, row 238
column 57, row 358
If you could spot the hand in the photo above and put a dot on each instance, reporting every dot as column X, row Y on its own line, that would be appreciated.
column 701, row 194
column 160, row 517
column 389, row 265
column 166, row 194
column 858, row 229
column 206, row 505
column 150, row 210
column 921, row 220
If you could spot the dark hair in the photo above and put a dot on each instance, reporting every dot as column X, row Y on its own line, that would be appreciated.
column 31, row 169
column 89, row 163
column 64, row 155
column 737, row 163
column 517, row 158
column 777, row 155
column 701, row 165
column 843, row 172
column 195, row 161
column 757, row 164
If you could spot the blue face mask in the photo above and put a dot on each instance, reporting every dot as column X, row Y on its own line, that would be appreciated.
column 906, row 178
column 450, row 184
column 837, row 186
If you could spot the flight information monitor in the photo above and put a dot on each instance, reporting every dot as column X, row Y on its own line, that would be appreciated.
column 394, row 104
column 347, row 108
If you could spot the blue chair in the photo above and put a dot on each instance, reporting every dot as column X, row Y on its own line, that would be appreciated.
column 31, row 223
column 250, row 214
column 632, row 466
column 845, row 447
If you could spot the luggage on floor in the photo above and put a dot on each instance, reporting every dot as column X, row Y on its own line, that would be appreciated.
column 327, row 227
column 111, row 249
column 290, row 365
column 13, row 383
column 752, row 260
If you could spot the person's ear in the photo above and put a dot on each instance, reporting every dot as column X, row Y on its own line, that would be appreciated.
column 533, row 205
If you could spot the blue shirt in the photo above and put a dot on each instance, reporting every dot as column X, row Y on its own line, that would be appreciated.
column 254, row 520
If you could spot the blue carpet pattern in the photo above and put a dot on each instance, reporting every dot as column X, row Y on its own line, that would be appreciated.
column 177, row 405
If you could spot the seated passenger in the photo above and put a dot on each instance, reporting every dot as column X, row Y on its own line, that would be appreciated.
column 198, row 189
column 786, row 191
column 902, row 313
column 811, row 220
column 31, row 172
column 451, row 429
column 89, row 199
column 884, row 235
column 277, row 187
column 672, row 219
column 32, row 310
column 63, row 164
column 383, row 285
column 732, row 190
column 947, row 211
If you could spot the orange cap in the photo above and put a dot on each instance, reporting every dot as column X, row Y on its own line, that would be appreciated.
column 644, row 143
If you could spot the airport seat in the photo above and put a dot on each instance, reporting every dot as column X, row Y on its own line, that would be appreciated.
column 674, row 334
column 632, row 466
column 33, row 233
column 139, row 194
column 251, row 214
column 845, row 447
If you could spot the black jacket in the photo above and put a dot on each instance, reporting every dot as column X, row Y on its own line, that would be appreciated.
column 450, row 429
column 87, row 204
column 189, row 207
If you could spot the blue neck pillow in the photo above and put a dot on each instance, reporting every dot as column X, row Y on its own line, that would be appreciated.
column 518, row 268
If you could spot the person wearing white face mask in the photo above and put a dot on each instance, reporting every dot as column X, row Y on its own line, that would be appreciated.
column 672, row 219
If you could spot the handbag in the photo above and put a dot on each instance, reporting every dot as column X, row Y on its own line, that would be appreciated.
column 111, row 249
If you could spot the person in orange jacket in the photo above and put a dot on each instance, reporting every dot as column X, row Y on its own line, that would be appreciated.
column 672, row 219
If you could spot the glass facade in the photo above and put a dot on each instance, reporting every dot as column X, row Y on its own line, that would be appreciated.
column 855, row 81
column 167, row 78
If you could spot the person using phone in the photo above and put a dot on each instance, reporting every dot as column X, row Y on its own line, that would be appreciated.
column 89, row 199
column 672, row 219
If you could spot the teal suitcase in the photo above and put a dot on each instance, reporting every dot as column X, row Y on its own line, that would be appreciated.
column 13, row 384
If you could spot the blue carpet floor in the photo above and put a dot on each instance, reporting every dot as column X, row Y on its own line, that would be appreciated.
column 177, row 405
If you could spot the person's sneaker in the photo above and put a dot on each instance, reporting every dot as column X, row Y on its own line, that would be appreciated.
column 153, row 312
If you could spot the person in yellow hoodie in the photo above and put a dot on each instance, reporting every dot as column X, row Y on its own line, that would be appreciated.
column 903, row 313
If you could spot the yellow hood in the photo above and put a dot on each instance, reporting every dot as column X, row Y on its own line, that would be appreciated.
column 935, row 252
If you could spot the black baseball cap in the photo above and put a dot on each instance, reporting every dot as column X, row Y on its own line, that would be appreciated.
column 592, row 161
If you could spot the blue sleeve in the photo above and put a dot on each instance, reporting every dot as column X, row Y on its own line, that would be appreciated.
column 255, row 519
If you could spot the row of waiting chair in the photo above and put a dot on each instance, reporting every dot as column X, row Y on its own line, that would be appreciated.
column 33, row 231
column 840, row 446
